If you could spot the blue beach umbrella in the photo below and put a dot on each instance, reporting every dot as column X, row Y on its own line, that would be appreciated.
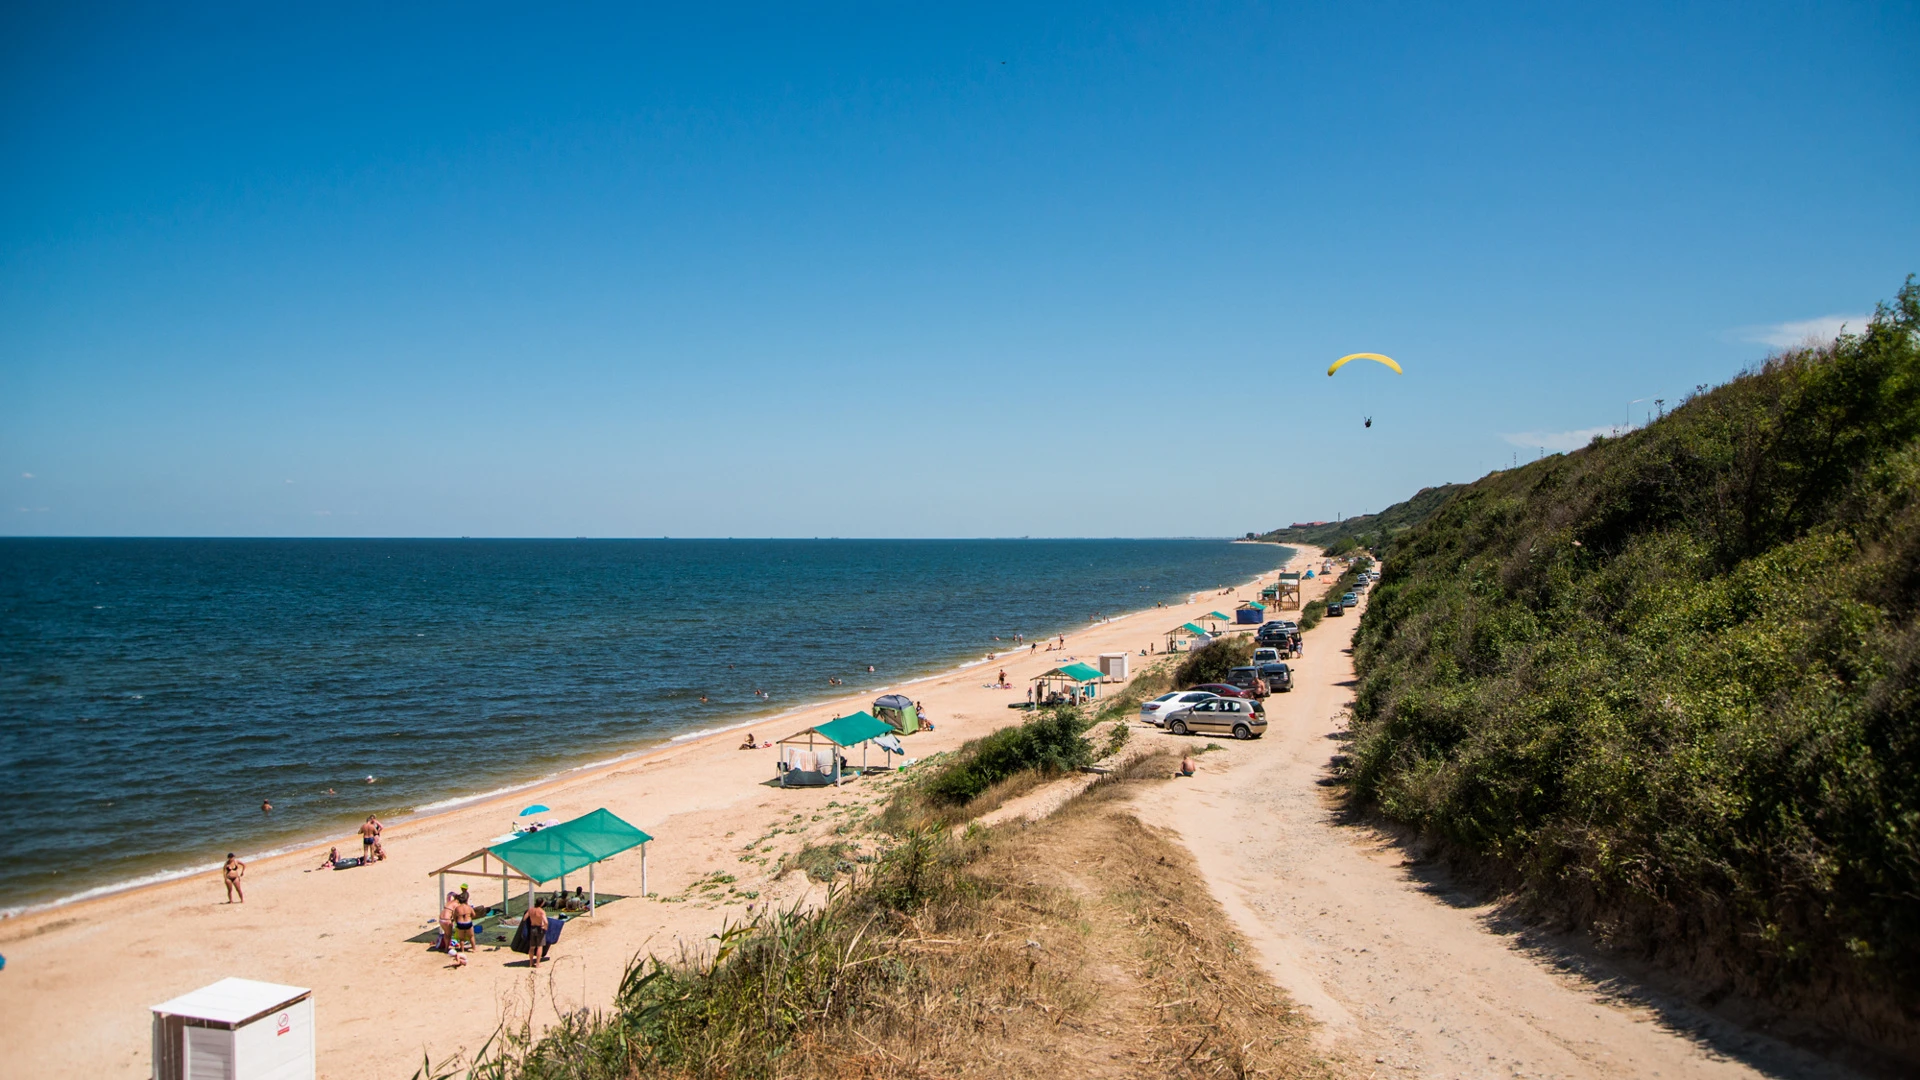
column 536, row 808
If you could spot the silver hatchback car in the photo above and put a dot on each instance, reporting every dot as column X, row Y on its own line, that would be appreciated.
column 1219, row 716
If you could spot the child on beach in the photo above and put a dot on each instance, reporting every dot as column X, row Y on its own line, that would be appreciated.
column 333, row 860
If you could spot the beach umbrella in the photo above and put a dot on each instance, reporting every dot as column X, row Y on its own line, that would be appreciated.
column 536, row 808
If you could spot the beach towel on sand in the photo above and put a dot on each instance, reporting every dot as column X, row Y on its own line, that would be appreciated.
column 521, row 937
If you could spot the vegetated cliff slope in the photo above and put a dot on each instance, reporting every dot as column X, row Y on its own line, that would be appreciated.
column 1367, row 529
column 1669, row 685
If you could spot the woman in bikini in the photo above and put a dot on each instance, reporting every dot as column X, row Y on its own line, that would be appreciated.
column 233, row 871
column 463, row 923
column 446, row 921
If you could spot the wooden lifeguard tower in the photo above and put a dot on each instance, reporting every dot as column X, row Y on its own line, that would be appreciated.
column 1286, row 591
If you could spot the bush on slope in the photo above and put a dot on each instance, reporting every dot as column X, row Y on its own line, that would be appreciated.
column 1670, row 684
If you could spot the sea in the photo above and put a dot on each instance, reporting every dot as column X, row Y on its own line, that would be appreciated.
column 154, row 692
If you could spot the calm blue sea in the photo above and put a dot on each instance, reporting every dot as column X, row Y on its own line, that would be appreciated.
column 153, row 692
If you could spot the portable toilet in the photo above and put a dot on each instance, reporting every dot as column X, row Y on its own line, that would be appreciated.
column 1113, row 665
column 898, row 711
column 236, row 1029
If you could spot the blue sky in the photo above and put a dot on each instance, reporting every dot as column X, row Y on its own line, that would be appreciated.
column 891, row 271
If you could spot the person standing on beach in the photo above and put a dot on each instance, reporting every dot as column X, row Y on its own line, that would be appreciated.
column 463, row 922
column 233, row 871
column 537, row 933
column 446, row 921
column 368, row 832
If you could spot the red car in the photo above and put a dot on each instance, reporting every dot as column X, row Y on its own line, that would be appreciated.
column 1223, row 690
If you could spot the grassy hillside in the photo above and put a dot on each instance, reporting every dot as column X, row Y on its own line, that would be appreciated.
column 1368, row 529
column 1669, row 685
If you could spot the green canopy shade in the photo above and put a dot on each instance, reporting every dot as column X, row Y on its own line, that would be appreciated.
column 1190, row 628
column 849, row 730
column 564, row 848
column 1217, row 615
column 1076, row 672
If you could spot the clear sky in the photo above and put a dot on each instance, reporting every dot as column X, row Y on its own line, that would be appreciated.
column 887, row 270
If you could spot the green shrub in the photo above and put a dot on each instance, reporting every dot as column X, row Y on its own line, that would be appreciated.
column 1670, row 683
column 1211, row 662
column 1311, row 614
column 1049, row 743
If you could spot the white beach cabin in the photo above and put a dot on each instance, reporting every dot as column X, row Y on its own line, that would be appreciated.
column 236, row 1029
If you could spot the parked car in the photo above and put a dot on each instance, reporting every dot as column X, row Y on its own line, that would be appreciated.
column 1225, row 716
column 1266, row 656
column 1223, row 689
column 1350, row 599
column 1334, row 608
column 1278, row 677
column 1155, row 711
column 1273, row 633
column 1249, row 680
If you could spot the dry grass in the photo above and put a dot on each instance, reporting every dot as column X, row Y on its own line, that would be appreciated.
column 1087, row 946
column 1081, row 946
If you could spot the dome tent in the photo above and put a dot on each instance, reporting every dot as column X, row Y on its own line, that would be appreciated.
column 898, row 711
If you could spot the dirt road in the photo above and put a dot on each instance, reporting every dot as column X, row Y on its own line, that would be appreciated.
column 1407, row 975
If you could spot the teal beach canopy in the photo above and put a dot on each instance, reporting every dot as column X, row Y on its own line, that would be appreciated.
column 1077, row 672
column 851, row 730
column 573, row 845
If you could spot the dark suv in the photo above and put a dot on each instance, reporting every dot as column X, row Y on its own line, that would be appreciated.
column 1277, row 677
column 1248, row 679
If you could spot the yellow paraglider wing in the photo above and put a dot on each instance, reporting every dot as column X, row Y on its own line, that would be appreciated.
column 1387, row 360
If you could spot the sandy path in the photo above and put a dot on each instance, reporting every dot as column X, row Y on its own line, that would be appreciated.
column 1404, row 973
column 79, row 980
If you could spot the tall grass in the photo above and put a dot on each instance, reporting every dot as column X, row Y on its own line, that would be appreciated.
column 1669, row 684
column 767, row 997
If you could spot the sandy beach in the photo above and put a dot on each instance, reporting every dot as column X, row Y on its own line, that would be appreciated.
column 79, row 979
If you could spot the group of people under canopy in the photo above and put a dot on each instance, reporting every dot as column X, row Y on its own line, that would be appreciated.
column 1068, row 684
column 550, row 854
